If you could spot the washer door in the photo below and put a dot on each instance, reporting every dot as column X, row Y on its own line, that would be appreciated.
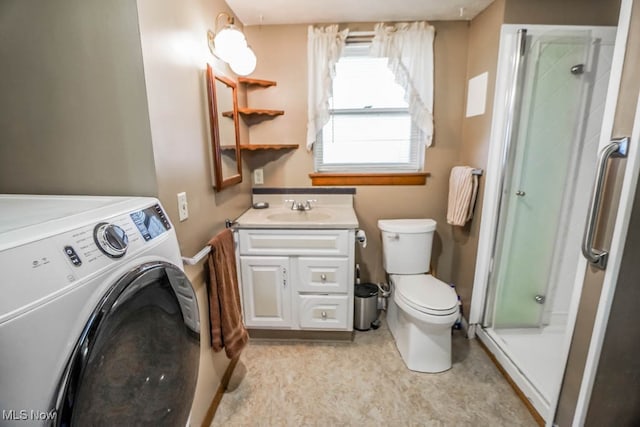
column 136, row 362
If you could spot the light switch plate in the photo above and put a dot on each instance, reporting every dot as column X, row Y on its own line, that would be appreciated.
column 183, row 207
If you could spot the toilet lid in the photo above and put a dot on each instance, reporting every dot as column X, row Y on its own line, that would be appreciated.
column 426, row 293
column 408, row 226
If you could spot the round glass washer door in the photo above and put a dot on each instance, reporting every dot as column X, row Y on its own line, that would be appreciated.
column 136, row 362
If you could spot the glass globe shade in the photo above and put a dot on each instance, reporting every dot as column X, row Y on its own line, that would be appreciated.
column 243, row 62
column 228, row 42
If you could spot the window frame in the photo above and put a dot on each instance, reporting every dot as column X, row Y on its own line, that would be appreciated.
column 417, row 150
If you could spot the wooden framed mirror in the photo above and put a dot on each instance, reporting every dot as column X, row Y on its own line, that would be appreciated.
column 225, row 130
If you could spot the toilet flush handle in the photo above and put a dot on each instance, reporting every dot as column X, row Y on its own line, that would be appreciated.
column 394, row 236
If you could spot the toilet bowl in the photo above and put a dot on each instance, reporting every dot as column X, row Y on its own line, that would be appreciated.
column 422, row 309
column 422, row 331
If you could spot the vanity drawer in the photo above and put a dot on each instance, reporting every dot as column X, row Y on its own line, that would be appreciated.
column 294, row 242
column 323, row 274
column 323, row 311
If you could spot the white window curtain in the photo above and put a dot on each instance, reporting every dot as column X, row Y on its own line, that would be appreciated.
column 324, row 47
column 409, row 47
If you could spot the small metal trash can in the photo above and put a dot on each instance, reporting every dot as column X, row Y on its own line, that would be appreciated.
column 366, row 306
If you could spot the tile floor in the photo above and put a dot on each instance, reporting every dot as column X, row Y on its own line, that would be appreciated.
column 365, row 383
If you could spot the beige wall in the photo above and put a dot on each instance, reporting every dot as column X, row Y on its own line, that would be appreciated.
column 462, row 51
column 282, row 56
column 80, row 114
column 564, row 12
column 175, row 53
column 281, row 52
column 73, row 115
column 102, row 98
column 484, row 39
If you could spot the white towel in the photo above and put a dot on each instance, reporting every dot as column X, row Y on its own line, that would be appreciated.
column 463, row 187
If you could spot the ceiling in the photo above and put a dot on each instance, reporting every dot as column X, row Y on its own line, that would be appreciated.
column 275, row 12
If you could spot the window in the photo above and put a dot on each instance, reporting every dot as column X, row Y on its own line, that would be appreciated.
column 369, row 129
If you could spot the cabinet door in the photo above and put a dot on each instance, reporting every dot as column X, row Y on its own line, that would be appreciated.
column 266, row 291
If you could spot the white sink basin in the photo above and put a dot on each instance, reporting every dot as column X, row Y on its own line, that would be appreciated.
column 299, row 216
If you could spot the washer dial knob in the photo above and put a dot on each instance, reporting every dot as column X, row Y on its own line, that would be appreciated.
column 111, row 239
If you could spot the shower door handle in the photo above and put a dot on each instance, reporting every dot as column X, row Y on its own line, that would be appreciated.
column 598, row 257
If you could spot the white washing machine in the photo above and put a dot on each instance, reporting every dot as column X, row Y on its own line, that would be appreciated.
column 98, row 323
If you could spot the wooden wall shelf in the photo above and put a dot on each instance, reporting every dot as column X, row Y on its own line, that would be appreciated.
column 260, row 147
column 256, row 82
column 257, row 147
column 249, row 112
column 256, row 115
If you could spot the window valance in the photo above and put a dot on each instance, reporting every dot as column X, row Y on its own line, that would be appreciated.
column 409, row 48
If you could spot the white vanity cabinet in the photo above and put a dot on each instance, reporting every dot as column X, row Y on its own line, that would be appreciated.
column 297, row 279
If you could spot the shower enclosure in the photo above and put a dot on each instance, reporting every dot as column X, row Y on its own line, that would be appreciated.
column 550, row 96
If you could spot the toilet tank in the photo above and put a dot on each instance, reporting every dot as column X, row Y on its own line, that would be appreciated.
column 406, row 245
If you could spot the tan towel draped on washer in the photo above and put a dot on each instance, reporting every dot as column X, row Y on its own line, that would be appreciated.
column 225, row 312
column 463, row 187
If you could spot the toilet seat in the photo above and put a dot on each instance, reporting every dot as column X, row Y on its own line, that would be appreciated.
column 426, row 294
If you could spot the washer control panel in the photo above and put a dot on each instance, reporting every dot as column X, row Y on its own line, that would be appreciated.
column 151, row 222
column 44, row 268
column 114, row 237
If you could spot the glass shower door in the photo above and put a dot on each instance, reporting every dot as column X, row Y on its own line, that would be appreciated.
column 538, row 181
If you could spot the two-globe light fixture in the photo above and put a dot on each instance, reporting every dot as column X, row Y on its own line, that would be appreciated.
column 230, row 45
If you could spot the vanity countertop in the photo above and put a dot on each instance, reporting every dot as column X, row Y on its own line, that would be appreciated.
column 329, row 210
column 319, row 217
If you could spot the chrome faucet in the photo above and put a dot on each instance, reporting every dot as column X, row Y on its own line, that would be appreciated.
column 300, row 206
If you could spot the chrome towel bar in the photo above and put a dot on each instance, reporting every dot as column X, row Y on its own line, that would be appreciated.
column 202, row 254
column 197, row 257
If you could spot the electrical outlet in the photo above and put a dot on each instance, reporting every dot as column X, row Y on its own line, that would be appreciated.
column 183, row 206
column 258, row 176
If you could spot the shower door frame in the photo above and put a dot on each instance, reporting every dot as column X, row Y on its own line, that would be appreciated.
column 493, row 189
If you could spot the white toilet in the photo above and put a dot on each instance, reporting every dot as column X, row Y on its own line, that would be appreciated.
column 422, row 309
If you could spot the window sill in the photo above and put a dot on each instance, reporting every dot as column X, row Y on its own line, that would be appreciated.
column 329, row 179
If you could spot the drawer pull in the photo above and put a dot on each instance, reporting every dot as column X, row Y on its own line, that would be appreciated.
column 324, row 315
column 284, row 277
column 323, row 277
